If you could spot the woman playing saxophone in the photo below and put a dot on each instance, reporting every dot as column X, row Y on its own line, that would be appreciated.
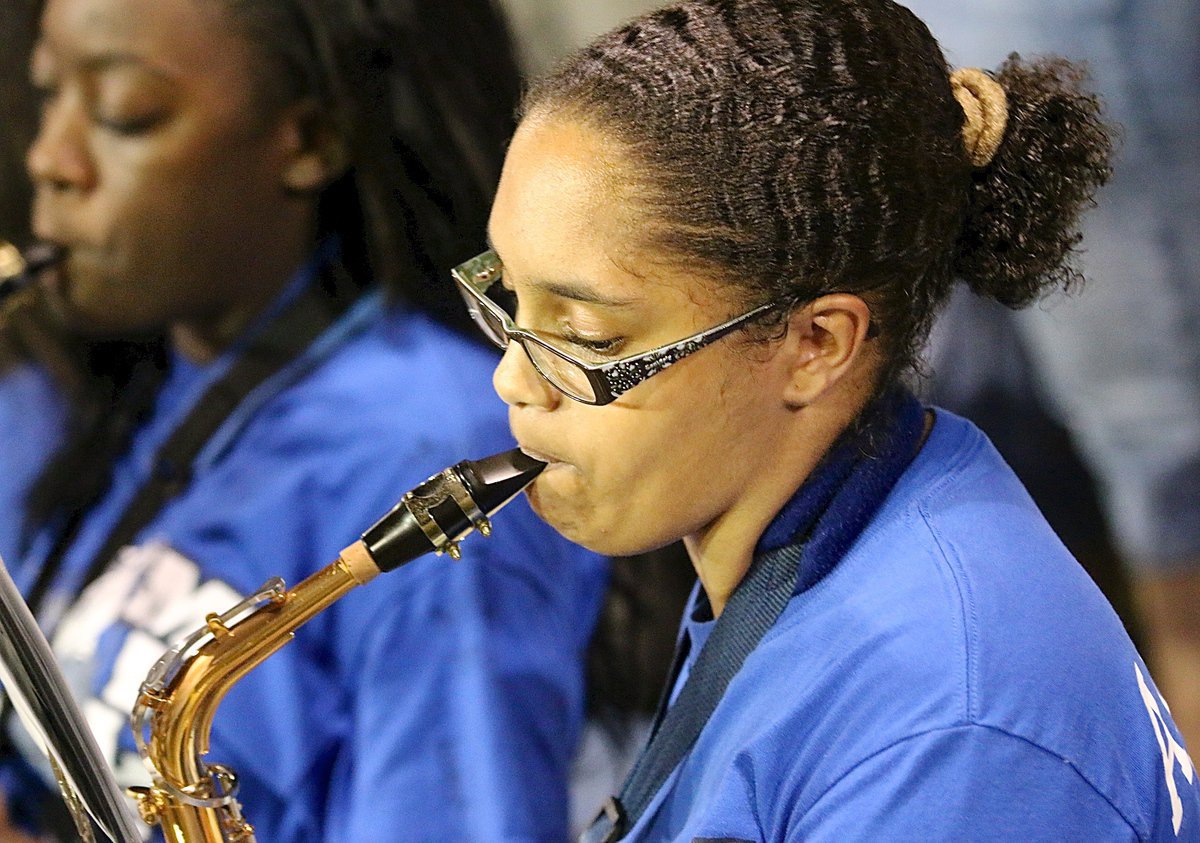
column 719, row 239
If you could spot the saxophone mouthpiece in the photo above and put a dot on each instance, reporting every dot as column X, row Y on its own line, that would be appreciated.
column 439, row 513
column 20, row 269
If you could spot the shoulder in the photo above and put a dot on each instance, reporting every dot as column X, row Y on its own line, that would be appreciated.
column 958, row 618
column 32, row 411
column 309, row 459
column 400, row 376
column 964, row 782
column 991, row 583
column 30, row 403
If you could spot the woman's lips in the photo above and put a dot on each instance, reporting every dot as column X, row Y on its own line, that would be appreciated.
column 55, row 278
column 549, row 459
column 42, row 255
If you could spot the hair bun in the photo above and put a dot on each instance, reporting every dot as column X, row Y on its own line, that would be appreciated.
column 1024, row 204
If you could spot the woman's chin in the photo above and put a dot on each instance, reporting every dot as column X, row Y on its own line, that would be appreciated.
column 564, row 513
column 582, row 525
column 92, row 315
column 548, row 507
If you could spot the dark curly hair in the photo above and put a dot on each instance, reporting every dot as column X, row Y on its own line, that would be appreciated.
column 797, row 147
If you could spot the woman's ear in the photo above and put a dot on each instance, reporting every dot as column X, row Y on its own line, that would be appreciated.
column 314, row 150
column 827, row 338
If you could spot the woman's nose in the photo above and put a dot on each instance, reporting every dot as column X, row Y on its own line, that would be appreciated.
column 59, row 156
column 518, row 383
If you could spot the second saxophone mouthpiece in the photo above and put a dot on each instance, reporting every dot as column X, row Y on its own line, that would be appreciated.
column 437, row 514
column 19, row 269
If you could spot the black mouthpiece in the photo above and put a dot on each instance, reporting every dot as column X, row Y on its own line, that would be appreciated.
column 437, row 514
column 19, row 269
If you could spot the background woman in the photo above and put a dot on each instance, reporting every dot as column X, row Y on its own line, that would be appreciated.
column 234, row 401
column 728, row 226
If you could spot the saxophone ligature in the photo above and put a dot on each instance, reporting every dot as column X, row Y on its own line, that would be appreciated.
column 193, row 801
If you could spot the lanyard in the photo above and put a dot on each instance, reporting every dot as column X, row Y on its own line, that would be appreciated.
column 281, row 340
column 807, row 540
column 751, row 611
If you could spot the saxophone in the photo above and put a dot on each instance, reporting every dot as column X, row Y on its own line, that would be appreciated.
column 193, row 801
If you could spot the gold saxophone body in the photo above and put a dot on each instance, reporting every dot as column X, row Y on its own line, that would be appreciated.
column 193, row 801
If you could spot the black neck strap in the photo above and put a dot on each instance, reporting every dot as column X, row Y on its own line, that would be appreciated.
column 835, row 505
column 752, row 610
column 279, row 342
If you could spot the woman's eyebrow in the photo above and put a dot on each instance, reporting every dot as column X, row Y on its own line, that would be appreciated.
column 574, row 290
column 577, row 291
column 106, row 60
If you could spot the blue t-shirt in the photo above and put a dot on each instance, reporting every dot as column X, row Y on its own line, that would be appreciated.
column 442, row 701
column 957, row 676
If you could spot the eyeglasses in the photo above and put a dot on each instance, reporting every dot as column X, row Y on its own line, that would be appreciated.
column 578, row 379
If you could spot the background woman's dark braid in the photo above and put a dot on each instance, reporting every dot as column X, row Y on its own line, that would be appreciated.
column 117, row 396
column 426, row 128
column 805, row 147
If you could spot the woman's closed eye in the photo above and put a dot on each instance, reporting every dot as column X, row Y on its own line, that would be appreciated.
column 590, row 347
column 601, row 348
column 127, row 109
column 128, row 123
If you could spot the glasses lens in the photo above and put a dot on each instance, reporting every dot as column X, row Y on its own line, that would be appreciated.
column 488, row 322
column 561, row 372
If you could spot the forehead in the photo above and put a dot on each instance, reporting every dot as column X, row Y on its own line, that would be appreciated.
column 570, row 205
column 175, row 35
column 566, row 196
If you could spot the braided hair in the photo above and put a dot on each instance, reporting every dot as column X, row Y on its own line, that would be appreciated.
column 798, row 147
column 425, row 123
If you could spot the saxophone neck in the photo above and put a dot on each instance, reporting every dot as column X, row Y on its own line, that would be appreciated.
column 196, row 803
column 180, row 697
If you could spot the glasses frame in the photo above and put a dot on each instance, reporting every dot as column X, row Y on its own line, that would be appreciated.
column 608, row 380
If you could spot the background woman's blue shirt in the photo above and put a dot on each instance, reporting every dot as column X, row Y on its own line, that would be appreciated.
column 440, row 702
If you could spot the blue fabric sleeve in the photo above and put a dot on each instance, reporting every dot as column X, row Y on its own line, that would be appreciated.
column 959, row 784
column 31, row 412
